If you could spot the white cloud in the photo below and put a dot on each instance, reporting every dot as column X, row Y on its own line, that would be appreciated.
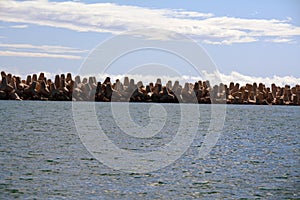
column 19, row 26
column 113, row 18
column 37, row 55
column 42, row 51
column 188, row 14
column 215, row 78
column 280, row 40
column 244, row 79
column 43, row 48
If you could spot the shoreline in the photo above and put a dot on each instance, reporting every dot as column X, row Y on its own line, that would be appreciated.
column 65, row 88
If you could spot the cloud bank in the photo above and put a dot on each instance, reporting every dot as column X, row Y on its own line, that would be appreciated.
column 44, row 48
column 214, row 78
column 41, row 51
column 37, row 55
column 19, row 26
column 113, row 18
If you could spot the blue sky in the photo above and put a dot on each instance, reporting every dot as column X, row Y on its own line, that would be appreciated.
column 249, row 38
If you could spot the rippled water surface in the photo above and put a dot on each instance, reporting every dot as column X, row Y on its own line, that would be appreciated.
column 256, row 156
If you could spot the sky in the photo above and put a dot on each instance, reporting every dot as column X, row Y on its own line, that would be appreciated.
column 247, row 40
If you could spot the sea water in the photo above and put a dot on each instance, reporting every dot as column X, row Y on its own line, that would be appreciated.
column 42, row 156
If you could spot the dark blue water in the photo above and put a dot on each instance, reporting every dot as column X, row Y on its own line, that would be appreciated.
column 42, row 156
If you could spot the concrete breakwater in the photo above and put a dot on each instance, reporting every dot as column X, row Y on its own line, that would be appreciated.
column 65, row 88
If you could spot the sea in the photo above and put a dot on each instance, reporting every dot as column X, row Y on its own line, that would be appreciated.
column 44, row 153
